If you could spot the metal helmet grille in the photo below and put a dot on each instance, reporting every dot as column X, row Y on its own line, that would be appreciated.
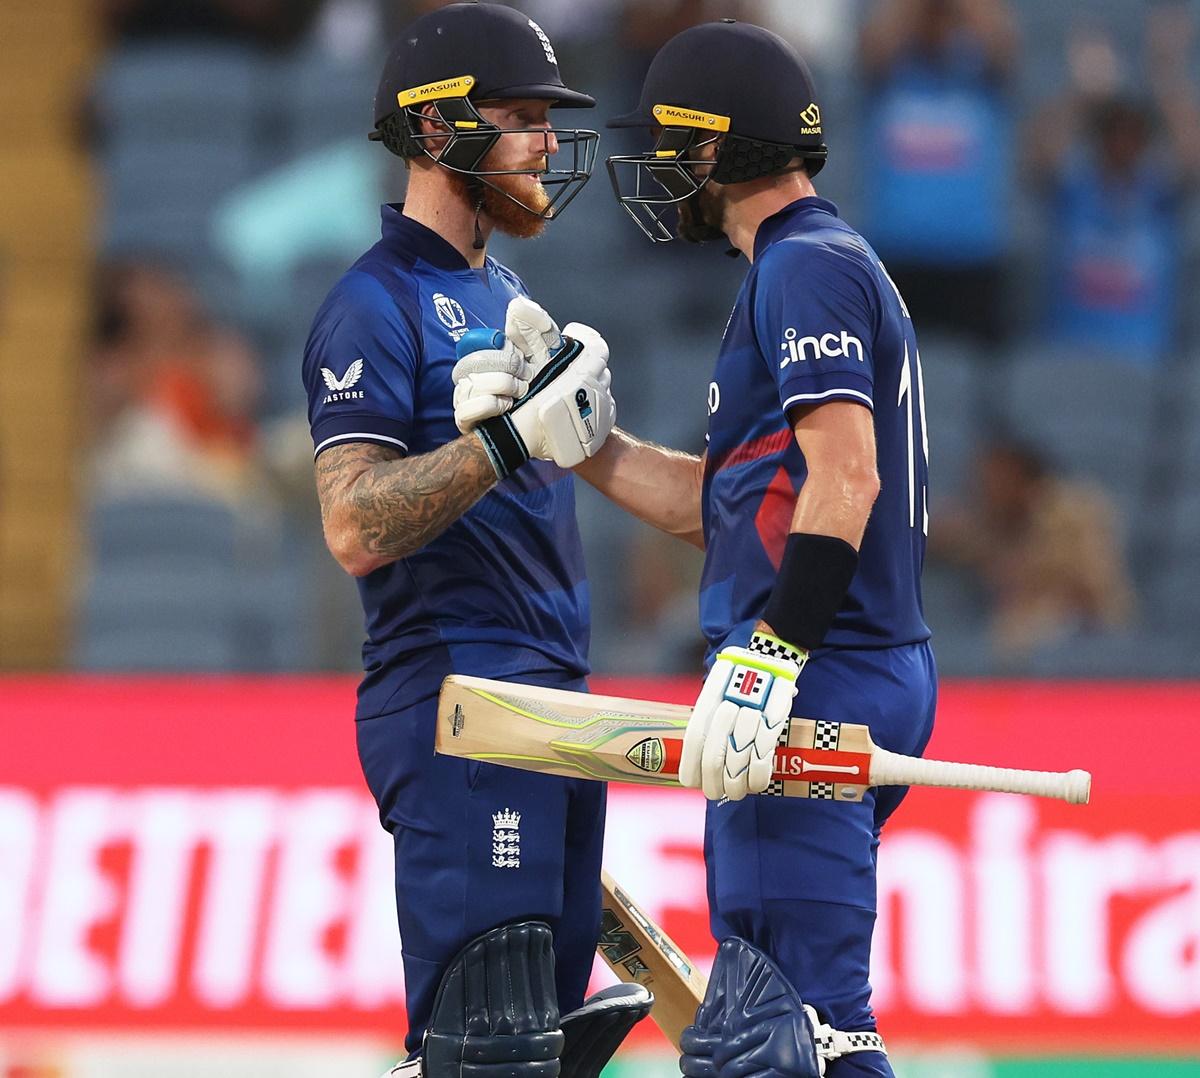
column 650, row 186
column 463, row 149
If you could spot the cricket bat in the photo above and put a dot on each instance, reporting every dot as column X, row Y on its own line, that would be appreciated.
column 609, row 738
column 637, row 950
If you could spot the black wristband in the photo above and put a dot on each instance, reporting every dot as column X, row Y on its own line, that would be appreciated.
column 504, row 444
column 813, row 579
column 505, row 447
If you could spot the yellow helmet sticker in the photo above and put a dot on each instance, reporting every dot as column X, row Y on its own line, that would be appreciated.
column 673, row 116
column 435, row 91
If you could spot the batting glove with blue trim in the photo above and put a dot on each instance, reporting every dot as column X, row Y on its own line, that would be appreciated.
column 729, row 744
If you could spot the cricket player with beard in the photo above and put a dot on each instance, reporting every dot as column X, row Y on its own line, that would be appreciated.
column 810, row 505
column 466, row 548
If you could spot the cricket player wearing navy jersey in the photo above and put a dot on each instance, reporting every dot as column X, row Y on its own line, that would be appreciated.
column 464, row 542
column 812, row 499
column 810, row 504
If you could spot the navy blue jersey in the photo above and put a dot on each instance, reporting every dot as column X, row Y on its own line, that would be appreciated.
column 502, row 591
column 817, row 319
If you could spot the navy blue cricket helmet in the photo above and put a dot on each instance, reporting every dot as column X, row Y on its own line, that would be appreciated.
column 447, row 61
column 731, row 82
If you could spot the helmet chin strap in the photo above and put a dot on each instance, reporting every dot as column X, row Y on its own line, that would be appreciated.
column 476, row 189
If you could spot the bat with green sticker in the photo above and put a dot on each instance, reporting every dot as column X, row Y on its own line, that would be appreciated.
column 614, row 739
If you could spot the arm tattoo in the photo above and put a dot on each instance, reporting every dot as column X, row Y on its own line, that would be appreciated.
column 398, row 504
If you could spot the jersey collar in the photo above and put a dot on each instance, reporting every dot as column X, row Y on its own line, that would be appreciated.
column 783, row 221
column 408, row 237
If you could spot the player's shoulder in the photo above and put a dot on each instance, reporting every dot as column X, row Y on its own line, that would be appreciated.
column 832, row 258
column 833, row 246
column 370, row 292
column 361, row 318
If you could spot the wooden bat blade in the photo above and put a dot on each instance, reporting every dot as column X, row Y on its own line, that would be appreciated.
column 564, row 733
column 615, row 739
column 637, row 950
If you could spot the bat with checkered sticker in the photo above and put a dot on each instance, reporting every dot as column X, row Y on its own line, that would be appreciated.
column 609, row 738
column 637, row 950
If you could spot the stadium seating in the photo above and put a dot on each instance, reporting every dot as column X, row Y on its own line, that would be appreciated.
column 178, row 127
column 172, row 571
column 1094, row 419
column 952, row 378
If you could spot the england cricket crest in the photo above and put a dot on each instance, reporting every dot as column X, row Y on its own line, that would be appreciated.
column 506, row 839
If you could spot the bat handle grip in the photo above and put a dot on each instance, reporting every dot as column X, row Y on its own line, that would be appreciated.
column 894, row 769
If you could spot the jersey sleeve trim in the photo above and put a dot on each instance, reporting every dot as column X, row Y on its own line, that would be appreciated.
column 359, row 428
column 837, row 393
column 358, row 436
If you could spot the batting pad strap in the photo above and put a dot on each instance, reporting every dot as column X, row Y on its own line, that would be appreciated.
column 833, row 1043
column 814, row 576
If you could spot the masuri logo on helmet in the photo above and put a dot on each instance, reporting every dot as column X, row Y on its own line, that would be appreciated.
column 509, row 57
column 728, row 83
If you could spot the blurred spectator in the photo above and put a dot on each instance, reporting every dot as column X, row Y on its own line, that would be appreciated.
column 936, row 163
column 273, row 23
column 824, row 31
column 172, row 395
column 1115, row 169
column 1045, row 548
column 647, row 24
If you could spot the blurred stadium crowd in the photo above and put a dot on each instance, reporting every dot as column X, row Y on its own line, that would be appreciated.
column 1025, row 169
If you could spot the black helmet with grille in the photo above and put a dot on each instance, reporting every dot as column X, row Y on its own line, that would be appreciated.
column 446, row 62
column 731, row 82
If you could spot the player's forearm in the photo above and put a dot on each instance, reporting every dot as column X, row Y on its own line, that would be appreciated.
column 837, row 503
column 657, row 485
column 834, row 504
column 394, row 507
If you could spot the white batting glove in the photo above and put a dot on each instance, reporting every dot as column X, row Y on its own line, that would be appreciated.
column 567, row 413
column 569, row 420
column 488, row 380
column 532, row 330
column 729, row 744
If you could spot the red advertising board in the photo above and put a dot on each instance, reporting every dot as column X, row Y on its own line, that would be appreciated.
column 202, row 853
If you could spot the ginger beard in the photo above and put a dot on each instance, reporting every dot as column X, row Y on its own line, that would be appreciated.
column 522, row 218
